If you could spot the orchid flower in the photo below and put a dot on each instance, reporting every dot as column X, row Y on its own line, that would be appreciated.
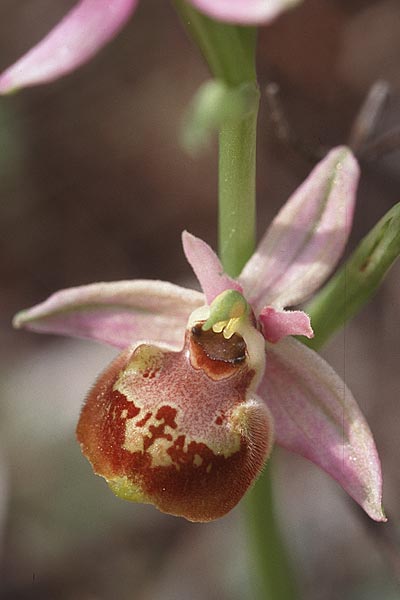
column 91, row 24
column 185, row 417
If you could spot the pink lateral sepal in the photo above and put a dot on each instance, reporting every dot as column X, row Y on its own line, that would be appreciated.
column 118, row 313
column 88, row 26
column 207, row 267
column 277, row 324
column 316, row 416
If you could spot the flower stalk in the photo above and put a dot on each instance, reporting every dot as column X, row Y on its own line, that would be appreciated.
column 230, row 53
column 270, row 561
column 228, row 49
column 237, row 200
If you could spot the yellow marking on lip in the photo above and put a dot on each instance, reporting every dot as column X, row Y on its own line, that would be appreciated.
column 159, row 453
column 221, row 441
column 145, row 360
column 197, row 460
column 135, row 437
column 125, row 489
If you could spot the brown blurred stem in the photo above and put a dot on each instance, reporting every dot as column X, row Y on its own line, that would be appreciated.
column 360, row 139
column 283, row 129
column 364, row 125
column 385, row 144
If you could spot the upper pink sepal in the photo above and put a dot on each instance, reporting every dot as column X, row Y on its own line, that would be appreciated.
column 118, row 313
column 207, row 267
column 315, row 415
column 245, row 12
column 307, row 237
column 277, row 324
column 73, row 41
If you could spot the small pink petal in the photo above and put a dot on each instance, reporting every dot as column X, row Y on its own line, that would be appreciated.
column 118, row 313
column 89, row 26
column 207, row 267
column 277, row 324
column 245, row 12
column 316, row 416
column 307, row 237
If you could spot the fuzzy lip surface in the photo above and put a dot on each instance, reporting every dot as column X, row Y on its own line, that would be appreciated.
column 175, row 428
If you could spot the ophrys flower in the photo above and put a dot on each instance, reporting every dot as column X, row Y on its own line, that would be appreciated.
column 182, row 418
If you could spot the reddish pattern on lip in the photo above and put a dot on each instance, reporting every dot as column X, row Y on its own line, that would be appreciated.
column 163, row 430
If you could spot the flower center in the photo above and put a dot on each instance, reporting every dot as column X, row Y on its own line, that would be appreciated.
column 227, row 313
column 218, row 347
column 226, row 331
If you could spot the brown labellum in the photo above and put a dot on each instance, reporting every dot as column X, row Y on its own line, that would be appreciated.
column 181, row 430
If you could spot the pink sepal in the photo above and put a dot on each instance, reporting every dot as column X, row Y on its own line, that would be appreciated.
column 307, row 237
column 207, row 267
column 277, row 324
column 73, row 41
column 245, row 12
column 117, row 313
column 315, row 415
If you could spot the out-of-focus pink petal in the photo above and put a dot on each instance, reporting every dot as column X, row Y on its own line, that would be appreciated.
column 316, row 416
column 277, row 324
column 207, row 267
column 307, row 237
column 117, row 313
column 245, row 12
column 73, row 41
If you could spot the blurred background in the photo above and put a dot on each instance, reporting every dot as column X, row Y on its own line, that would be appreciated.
column 95, row 186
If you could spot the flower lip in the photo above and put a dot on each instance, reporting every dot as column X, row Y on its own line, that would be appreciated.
column 162, row 430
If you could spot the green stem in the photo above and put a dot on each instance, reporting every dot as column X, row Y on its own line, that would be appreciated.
column 274, row 581
column 230, row 53
column 229, row 50
column 237, row 201
column 237, row 215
